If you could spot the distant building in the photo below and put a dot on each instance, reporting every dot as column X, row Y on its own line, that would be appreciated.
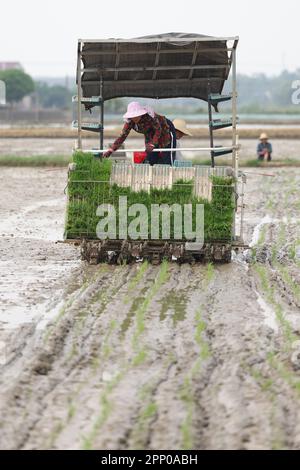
column 10, row 65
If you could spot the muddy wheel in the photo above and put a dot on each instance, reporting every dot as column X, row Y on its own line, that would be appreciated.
column 83, row 249
column 123, row 259
column 111, row 257
column 227, row 256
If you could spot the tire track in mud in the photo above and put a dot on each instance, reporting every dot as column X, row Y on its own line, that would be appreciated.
column 142, row 371
column 235, row 341
column 276, row 276
column 173, row 427
column 164, row 413
column 279, row 376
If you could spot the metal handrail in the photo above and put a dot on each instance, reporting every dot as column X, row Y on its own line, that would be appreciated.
column 189, row 149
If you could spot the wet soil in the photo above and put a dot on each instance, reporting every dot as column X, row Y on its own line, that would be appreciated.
column 141, row 356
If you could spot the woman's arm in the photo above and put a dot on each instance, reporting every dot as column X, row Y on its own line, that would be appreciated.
column 125, row 131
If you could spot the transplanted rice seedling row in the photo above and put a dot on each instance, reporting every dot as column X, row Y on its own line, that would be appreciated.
column 89, row 187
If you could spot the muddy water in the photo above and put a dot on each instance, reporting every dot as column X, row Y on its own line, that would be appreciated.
column 143, row 356
column 33, row 267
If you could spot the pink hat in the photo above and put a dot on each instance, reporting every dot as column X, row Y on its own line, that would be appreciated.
column 134, row 109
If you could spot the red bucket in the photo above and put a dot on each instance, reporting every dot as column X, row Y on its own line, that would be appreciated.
column 139, row 157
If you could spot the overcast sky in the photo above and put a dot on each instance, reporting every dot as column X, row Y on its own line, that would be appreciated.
column 42, row 35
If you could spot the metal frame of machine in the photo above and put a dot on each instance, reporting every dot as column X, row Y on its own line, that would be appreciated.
column 163, row 66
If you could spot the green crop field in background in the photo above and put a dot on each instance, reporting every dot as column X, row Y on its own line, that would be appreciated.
column 89, row 187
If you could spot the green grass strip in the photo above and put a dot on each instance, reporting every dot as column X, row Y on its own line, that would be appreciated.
column 35, row 160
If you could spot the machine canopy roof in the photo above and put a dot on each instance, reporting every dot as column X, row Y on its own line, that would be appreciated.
column 168, row 65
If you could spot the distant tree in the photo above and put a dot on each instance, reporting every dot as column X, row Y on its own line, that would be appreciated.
column 115, row 105
column 281, row 88
column 55, row 96
column 18, row 84
column 260, row 93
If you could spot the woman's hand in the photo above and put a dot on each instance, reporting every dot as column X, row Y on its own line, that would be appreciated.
column 108, row 153
column 149, row 148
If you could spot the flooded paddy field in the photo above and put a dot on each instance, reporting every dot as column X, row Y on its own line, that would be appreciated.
column 141, row 356
column 283, row 148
